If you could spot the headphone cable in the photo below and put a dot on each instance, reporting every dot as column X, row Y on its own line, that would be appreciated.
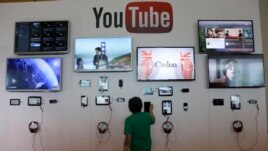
column 99, row 136
column 257, row 133
column 167, row 137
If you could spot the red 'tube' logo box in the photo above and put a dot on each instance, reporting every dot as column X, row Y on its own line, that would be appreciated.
column 149, row 17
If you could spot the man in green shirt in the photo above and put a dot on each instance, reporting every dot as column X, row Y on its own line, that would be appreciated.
column 138, row 127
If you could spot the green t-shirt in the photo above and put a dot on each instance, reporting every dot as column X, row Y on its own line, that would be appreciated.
column 138, row 125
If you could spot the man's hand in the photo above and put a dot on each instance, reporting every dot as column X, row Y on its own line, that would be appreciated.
column 146, row 68
column 186, row 65
column 127, row 142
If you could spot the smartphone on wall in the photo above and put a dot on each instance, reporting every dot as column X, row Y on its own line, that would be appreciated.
column 103, row 83
column 166, row 107
column 84, row 100
column 147, row 106
column 235, row 102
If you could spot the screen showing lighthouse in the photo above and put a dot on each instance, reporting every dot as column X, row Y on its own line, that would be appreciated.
column 33, row 74
column 103, row 54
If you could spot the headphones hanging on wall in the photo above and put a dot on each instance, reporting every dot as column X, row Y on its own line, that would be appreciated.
column 102, row 127
column 167, row 127
column 33, row 127
column 237, row 126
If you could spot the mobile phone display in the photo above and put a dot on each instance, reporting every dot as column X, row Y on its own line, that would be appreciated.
column 166, row 107
column 103, row 100
column 235, row 102
column 84, row 100
column 103, row 83
column 147, row 106
column 165, row 91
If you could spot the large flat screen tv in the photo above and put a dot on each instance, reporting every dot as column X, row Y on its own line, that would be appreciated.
column 235, row 71
column 165, row 63
column 225, row 36
column 103, row 54
column 33, row 74
column 41, row 37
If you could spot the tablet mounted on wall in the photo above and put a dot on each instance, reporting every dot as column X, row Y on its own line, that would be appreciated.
column 166, row 107
column 103, row 100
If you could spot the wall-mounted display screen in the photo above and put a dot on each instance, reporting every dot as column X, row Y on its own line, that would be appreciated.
column 165, row 63
column 41, row 37
column 33, row 74
column 226, row 36
column 235, row 71
column 103, row 54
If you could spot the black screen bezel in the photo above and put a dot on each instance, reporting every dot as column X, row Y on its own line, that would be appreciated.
column 97, row 103
column 166, row 101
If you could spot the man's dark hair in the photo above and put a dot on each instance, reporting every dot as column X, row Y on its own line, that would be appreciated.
column 135, row 104
column 78, row 60
column 217, row 30
column 98, row 48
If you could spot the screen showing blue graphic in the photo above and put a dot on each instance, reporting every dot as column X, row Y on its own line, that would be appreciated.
column 33, row 74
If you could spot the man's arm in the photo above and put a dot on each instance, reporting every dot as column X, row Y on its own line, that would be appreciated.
column 95, row 61
column 152, row 113
column 127, row 142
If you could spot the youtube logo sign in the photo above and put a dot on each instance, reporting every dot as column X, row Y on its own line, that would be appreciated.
column 149, row 17
column 139, row 17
